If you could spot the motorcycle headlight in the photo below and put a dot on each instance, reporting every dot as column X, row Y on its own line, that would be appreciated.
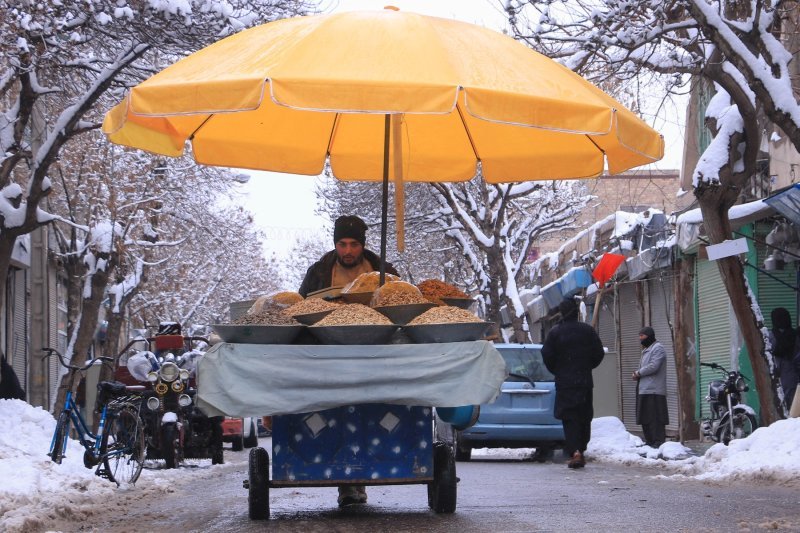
column 184, row 374
column 169, row 371
column 741, row 386
column 153, row 403
column 177, row 386
column 184, row 400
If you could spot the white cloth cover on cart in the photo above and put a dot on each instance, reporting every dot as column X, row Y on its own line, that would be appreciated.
column 272, row 379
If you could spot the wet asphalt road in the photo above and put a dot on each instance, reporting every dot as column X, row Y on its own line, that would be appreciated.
column 493, row 495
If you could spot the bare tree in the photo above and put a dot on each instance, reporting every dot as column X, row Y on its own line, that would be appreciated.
column 742, row 48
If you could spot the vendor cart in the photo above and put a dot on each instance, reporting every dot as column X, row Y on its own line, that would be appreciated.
column 356, row 414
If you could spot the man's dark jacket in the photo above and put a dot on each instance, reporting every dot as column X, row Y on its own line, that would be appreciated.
column 319, row 274
column 570, row 352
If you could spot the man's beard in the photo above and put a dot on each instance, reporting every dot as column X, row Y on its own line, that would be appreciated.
column 355, row 263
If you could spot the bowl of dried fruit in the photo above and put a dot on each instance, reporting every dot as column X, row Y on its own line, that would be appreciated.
column 354, row 324
column 258, row 333
column 448, row 332
column 461, row 303
column 309, row 319
column 403, row 314
column 354, row 334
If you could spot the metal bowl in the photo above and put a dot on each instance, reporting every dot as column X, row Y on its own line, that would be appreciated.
column 257, row 333
column 310, row 319
column 453, row 332
column 357, row 297
column 403, row 314
column 359, row 334
column 462, row 303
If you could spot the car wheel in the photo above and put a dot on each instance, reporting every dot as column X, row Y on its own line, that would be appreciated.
column 251, row 440
column 463, row 451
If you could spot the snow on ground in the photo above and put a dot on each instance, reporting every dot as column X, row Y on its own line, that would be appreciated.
column 34, row 490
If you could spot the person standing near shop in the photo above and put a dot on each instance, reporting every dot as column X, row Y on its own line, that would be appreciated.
column 784, row 347
column 651, row 389
column 570, row 352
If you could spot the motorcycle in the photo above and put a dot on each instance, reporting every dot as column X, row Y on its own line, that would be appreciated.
column 175, row 428
column 730, row 418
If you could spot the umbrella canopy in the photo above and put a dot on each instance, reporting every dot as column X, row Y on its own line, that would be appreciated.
column 287, row 95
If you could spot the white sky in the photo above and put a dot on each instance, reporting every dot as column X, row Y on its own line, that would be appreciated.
column 283, row 205
column 31, row 482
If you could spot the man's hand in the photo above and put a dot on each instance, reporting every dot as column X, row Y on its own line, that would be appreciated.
column 635, row 376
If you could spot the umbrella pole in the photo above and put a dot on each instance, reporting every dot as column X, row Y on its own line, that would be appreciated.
column 384, row 197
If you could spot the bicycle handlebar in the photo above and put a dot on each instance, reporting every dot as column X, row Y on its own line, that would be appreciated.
column 101, row 358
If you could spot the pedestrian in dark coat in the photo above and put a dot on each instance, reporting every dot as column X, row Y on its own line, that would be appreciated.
column 570, row 352
column 783, row 338
column 10, row 389
column 651, row 389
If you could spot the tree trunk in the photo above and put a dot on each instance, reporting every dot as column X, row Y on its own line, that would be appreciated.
column 718, row 229
column 685, row 355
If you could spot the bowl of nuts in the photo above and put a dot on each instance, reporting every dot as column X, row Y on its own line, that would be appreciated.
column 257, row 333
column 403, row 314
column 452, row 332
column 354, row 324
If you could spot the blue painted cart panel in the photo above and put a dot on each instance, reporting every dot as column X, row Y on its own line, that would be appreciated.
column 369, row 443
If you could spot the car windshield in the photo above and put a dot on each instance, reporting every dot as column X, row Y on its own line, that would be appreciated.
column 526, row 362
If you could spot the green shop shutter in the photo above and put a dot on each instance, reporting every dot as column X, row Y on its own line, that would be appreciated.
column 713, row 322
column 767, row 287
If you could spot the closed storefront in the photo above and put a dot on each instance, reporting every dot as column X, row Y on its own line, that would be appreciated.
column 713, row 323
column 662, row 315
column 629, row 310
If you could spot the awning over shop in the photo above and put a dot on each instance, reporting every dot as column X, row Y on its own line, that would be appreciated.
column 689, row 224
column 787, row 203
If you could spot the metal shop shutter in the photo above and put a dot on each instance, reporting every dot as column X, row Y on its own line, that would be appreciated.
column 662, row 314
column 713, row 326
column 19, row 327
column 630, row 322
column 607, row 390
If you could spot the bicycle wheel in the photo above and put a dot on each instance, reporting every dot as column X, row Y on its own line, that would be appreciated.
column 123, row 447
column 60, row 435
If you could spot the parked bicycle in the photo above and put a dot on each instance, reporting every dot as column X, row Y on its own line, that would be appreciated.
column 730, row 418
column 118, row 447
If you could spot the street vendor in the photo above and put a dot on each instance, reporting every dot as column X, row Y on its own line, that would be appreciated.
column 337, row 268
column 347, row 261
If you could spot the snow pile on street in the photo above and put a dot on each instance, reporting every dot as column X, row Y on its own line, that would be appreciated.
column 35, row 491
column 770, row 454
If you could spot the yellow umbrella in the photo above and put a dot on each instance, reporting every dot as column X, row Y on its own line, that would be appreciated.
column 384, row 95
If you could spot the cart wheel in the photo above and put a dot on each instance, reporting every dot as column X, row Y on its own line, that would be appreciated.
column 258, row 487
column 443, row 489
column 250, row 440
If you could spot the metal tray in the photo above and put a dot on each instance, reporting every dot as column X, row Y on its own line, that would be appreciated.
column 360, row 334
column 455, row 332
column 257, row 334
column 357, row 297
column 462, row 303
column 310, row 319
column 403, row 314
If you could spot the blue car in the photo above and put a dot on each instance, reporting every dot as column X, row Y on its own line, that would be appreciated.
column 522, row 416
